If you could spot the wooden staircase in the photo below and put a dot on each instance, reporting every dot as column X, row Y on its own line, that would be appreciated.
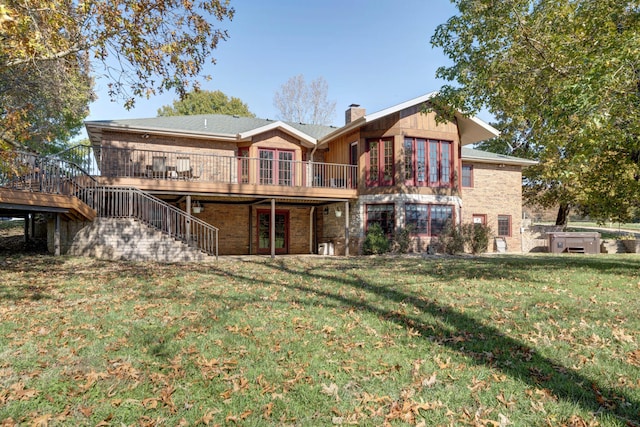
column 31, row 183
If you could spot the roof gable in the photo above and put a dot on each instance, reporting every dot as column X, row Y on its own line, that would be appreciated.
column 471, row 129
column 235, row 128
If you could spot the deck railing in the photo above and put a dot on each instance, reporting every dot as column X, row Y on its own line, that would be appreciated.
column 27, row 171
column 192, row 166
column 50, row 174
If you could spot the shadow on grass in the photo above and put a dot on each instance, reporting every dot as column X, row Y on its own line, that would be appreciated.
column 484, row 344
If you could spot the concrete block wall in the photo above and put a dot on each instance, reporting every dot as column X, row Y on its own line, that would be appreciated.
column 125, row 239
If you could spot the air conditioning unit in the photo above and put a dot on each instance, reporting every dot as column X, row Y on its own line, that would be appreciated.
column 325, row 249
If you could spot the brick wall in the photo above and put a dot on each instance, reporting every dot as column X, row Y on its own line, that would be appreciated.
column 496, row 191
column 122, row 238
column 235, row 231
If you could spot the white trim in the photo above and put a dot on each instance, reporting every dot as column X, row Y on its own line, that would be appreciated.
column 400, row 107
column 311, row 142
column 471, row 129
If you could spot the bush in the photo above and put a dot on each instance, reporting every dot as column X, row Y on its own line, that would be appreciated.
column 477, row 237
column 402, row 240
column 454, row 238
column 451, row 240
column 375, row 242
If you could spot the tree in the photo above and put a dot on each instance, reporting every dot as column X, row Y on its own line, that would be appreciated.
column 141, row 47
column 42, row 105
column 298, row 102
column 563, row 80
column 206, row 102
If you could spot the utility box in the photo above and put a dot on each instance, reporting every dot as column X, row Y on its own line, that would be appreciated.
column 325, row 249
column 567, row 242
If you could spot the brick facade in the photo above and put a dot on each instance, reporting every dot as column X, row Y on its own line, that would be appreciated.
column 238, row 226
column 317, row 214
column 496, row 190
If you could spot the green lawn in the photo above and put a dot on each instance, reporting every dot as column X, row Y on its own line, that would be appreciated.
column 489, row 341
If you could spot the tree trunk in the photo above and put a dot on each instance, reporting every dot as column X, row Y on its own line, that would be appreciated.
column 563, row 214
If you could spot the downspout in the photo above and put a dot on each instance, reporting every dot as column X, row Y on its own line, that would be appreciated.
column 313, row 210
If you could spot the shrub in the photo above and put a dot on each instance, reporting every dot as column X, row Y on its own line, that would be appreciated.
column 451, row 240
column 375, row 242
column 402, row 240
column 455, row 238
column 477, row 237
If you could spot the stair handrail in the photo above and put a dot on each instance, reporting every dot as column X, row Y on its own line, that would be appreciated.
column 131, row 202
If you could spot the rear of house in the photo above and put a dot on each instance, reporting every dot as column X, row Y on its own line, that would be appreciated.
column 271, row 187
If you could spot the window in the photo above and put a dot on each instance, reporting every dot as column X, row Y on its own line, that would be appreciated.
column 417, row 217
column 415, row 161
column 383, row 215
column 276, row 167
column 479, row 219
column 504, row 225
column 467, row 175
column 427, row 162
column 428, row 220
column 243, row 164
column 380, row 162
column 439, row 217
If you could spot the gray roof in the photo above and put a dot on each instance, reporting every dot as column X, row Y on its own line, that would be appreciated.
column 212, row 124
column 471, row 154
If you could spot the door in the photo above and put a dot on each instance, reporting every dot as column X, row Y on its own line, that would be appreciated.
column 281, row 229
column 243, row 165
column 276, row 167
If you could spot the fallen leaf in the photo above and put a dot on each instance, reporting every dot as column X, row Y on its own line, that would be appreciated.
column 331, row 390
column 633, row 358
column 430, row 382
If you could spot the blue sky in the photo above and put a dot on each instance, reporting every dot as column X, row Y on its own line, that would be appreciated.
column 375, row 53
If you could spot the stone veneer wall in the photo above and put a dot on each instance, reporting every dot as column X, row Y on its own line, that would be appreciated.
column 332, row 228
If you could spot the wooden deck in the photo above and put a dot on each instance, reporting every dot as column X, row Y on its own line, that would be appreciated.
column 20, row 202
column 177, row 186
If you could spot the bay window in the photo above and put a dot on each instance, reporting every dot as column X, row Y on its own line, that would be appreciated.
column 380, row 168
column 383, row 215
column 427, row 220
column 427, row 162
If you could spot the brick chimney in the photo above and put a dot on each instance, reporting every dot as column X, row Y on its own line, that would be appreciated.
column 353, row 113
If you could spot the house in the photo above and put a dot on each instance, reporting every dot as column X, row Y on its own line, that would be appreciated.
column 272, row 187
column 276, row 187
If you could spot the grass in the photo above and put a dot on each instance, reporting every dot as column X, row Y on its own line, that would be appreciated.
column 498, row 340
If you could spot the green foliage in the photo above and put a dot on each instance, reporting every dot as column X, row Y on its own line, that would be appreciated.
column 455, row 239
column 562, row 80
column 141, row 48
column 375, row 242
column 451, row 240
column 206, row 102
column 44, row 106
column 402, row 240
column 477, row 237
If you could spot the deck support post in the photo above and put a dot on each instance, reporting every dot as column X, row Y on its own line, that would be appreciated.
column 273, row 228
column 188, row 221
column 346, row 228
column 56, row 236
column 26, row 228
